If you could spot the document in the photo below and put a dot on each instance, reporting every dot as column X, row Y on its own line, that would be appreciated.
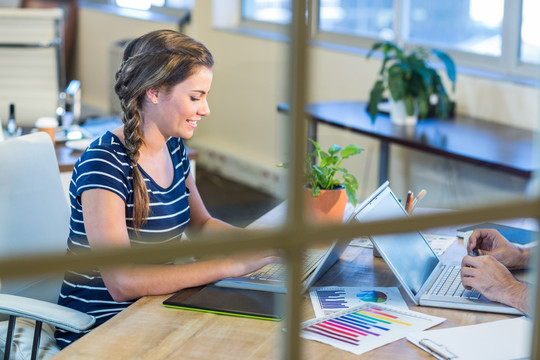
column 366, row 327
column 496, row 340
column 330, row 299
column 439, row 243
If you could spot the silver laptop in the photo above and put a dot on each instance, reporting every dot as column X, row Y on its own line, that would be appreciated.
column 273, row 277
column 426, row 280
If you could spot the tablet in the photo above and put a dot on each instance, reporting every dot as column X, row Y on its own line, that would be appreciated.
column 229, row 301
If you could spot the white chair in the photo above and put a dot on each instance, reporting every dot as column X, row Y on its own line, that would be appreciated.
column 34, row 219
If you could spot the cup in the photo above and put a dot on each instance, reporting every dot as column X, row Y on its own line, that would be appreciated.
column 48, row 125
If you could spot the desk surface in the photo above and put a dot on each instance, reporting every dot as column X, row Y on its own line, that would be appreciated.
column 147, row 330
column 475, row 141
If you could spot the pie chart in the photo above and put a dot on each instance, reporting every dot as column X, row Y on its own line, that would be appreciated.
column 372, row 296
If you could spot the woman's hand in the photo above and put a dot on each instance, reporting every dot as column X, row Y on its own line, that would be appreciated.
column 246, row 262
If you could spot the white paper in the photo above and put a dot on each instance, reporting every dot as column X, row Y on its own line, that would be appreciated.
column 330, row 299
column 366, row 327
column 497, row 340
column 439, row 243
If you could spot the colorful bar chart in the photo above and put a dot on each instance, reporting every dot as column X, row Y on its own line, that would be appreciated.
column 332, row 298
column 329, row 299
column 366, row 327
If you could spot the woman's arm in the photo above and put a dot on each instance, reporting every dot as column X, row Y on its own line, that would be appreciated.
column 107, row 229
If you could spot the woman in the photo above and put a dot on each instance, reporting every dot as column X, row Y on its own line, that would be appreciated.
column 133, row 186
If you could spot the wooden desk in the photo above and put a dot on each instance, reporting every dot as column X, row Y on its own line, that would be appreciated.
column 147, row 330
column 499, row 147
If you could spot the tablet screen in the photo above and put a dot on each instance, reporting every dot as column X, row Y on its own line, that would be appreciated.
column 230, row 301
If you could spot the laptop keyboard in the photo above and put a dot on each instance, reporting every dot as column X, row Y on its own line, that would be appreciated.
column 278, row 271
column 449, row 284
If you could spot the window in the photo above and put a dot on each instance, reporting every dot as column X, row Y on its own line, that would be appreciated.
column 274, row 11
column 529, row 51
column 496, row 35
column 369, row 18
column 473, row 26
column 147, row 4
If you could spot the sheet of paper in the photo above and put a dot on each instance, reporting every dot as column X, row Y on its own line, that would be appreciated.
column 330, row 299
column 503, row 339
column 439, row 243
column 366, row 327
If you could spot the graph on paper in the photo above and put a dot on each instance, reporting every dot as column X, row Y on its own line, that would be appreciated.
column 329, row 299
column 366, row 327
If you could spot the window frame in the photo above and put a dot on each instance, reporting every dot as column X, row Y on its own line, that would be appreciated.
column 508, row 65
column 296, row 234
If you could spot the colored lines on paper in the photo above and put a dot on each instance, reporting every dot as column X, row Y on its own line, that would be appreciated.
column 332, row 299
column 366, row 327
column 328, row 300
column 350, row 328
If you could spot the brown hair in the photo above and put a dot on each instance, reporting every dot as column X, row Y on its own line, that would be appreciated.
column 159, row 59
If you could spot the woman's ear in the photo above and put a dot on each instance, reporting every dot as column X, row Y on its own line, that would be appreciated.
column 153, row 95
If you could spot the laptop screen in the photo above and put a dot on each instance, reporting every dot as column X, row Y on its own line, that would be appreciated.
column 409, row 255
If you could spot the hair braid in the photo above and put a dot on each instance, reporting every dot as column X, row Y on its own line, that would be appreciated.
column 132, row 142
column 160, row 59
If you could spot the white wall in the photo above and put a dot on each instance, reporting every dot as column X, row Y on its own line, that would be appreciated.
column 244, row 136
column 97, row 32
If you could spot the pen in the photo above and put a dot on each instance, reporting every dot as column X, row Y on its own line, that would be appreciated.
column 437, row 350
column 408, row 202
column 420, row 195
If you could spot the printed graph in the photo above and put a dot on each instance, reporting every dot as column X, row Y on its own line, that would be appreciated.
column 366, row 327
column 372, row 296
column 327, row 300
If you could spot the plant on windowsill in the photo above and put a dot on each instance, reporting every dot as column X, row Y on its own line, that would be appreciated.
column 328, row 184
column 412, row 85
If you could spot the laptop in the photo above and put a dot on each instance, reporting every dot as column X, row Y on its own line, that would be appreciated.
column 427, row 281
column 273, row 277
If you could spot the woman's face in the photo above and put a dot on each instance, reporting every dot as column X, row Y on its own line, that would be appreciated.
column 179, row 111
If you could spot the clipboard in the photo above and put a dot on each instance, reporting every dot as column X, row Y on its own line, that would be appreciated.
column 496, row 340
column 229, row 301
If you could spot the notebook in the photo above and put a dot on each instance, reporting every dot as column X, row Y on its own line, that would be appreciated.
column 235, row 302
column 415, row 264
column 513, row 234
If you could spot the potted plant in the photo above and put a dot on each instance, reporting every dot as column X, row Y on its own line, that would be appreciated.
column 410, row 81
column 328, row 184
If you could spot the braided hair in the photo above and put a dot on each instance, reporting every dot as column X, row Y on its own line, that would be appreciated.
column 159, row 59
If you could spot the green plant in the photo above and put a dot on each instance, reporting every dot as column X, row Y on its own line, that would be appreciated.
column 407, row 77
column 323, row 173
column 322, row 168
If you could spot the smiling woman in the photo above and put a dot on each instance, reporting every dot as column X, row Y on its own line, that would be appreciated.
column 133, row 186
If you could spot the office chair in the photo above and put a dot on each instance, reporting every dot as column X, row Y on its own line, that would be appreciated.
column 32, row 69
column 34, row 220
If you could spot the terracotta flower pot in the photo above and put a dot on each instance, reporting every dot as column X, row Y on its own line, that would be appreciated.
column 329, row 207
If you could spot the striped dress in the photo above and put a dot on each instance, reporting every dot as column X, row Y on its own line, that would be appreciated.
column 104, row 165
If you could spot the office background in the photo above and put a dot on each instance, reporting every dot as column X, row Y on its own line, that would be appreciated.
column 244, row 137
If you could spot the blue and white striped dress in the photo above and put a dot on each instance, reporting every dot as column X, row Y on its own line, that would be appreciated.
column 105, row 165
